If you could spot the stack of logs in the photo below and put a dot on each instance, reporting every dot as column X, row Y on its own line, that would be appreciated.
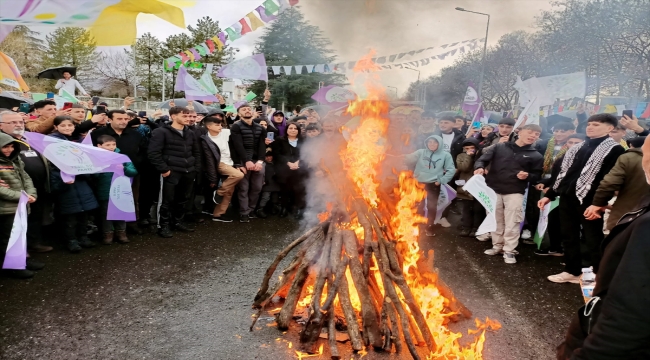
column 327, row 251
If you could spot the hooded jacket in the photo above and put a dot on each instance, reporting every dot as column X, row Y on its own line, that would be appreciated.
column 465, row 167
column 506, row 160
column 432, row 166
column 281, row 127
column 12, row 172
column 456, row 144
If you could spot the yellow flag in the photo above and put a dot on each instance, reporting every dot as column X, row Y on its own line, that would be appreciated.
column 218, row 42
column 255, row 22
column 116, row 25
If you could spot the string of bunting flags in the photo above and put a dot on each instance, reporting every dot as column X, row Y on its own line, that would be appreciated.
column 266, row 12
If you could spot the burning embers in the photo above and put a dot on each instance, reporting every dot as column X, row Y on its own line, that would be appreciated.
column 360, row 274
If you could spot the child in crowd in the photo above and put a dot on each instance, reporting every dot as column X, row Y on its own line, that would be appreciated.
column 102, row 192
column 270, row 199
column 12, row 173
column 618, row 134
column 72, row 199
column 472, row 211
column 433, row 168
column 313, row 130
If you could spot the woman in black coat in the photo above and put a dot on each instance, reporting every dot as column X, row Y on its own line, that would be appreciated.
column 75, row 199
column 289, row 172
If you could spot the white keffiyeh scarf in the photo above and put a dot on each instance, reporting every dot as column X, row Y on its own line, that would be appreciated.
column 591, row 169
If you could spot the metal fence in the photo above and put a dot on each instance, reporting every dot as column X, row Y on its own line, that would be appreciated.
column 114, row 103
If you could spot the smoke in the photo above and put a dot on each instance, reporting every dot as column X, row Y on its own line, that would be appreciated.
column 393, row 26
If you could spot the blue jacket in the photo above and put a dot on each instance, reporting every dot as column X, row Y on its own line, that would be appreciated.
column 432, row 166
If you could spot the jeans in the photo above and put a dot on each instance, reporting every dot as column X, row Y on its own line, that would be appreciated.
column 175, row 190
column 109, row 225
column 509, row 215
column 74, row 225
column 269, row 196
column 571, row 221
column 249, row 190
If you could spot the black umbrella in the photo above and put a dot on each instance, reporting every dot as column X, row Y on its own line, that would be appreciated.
column 9, row 100
column 57, row 72
column 198, row 107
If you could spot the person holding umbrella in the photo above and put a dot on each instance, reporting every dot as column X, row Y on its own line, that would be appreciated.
column 69, row 84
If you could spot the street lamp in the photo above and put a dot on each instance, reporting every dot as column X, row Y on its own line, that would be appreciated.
column 419, row 86
column 480, row 84
column 163, row 71
column 393, row 87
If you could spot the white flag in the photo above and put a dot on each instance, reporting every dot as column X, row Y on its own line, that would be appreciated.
column 16, row 253
column 320, row 68
column 287, row 70
column 276, row 70
column 487, row 197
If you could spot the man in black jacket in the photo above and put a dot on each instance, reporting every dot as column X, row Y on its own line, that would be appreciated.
column 618, row 322
column 175, row 152
column 130, row 142
column 247, row 139
column 584, row 166
column 512, row 166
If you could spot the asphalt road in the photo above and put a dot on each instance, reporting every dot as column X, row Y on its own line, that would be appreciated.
column 189, row 297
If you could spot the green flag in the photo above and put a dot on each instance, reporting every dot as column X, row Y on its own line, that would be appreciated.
column 542, row 225
column 230, row 108
column 250, row 96
column 68, row 97
column 38, row 96
column 232, row 35
column 270, row 7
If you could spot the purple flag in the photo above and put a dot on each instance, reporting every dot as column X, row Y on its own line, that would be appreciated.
column 447, row 194
column 248, row 68
column 76, row 159
column 120, row 200
column 192, row 88
column 334, row 96
column 472, row 100
column 16, row 255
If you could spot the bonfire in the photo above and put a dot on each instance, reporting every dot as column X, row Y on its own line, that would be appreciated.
column 359, row 276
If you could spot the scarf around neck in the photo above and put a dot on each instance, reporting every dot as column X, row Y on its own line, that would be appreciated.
column 548, row 155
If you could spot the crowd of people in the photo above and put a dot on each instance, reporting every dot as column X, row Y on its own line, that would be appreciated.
column 258, row 162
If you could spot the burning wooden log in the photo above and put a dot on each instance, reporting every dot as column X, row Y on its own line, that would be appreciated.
column 364, row 273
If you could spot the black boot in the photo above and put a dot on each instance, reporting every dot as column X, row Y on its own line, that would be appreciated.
column 261, row 214
column 18, row 274
column 283, row 212
column 464, row 232
column 85, row 242
column 73, row 246
column 34, row 265
column 165, row 232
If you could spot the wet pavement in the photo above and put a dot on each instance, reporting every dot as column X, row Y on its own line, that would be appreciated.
column 189, row 297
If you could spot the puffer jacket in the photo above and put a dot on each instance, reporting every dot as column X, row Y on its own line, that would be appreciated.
column 12, row 172
column 247, row 142
column 102, row 181
column 168, row 150
column 465, row 167
column 432, row 166
column 506, row 160
column 211, row 158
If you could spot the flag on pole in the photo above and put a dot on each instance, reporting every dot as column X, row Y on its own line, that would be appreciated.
column 472, row 101
column 206, row 81
column 488, row 198
column 248, row 68
column 530, row 115
column 192, row 88
column 334, row 96
column 16, row 254
column 68, row 97
column 447, row 194
column 77, row 159
column 542, row 224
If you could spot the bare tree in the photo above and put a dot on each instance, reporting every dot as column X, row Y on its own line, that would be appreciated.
column 115, row 72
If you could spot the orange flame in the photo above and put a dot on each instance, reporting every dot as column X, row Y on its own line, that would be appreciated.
column 362, row 159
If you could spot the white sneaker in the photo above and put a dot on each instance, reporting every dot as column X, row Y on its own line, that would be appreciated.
column 444, row 223
column 509, row 258
column 564, row 277
column 493, row 251
column 526, row 235
column 484, row 237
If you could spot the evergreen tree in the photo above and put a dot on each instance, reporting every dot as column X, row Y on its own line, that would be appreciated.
column 290, row 40
column 172, row 46
column 206, row 28
column 149, row 64
column 24, row 46
column 71, row 46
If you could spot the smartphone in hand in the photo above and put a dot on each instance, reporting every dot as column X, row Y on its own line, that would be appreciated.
column 628, row 113
column 270, row 135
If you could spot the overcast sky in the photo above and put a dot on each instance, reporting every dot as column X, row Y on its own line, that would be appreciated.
column 388, row 26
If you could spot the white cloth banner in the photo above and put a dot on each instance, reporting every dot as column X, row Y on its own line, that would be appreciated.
column 320, row 68
column 16, row 253
column 276, row 70
column 549, row 88
column 287, row 70
column 299, row 69
column 488, row 198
